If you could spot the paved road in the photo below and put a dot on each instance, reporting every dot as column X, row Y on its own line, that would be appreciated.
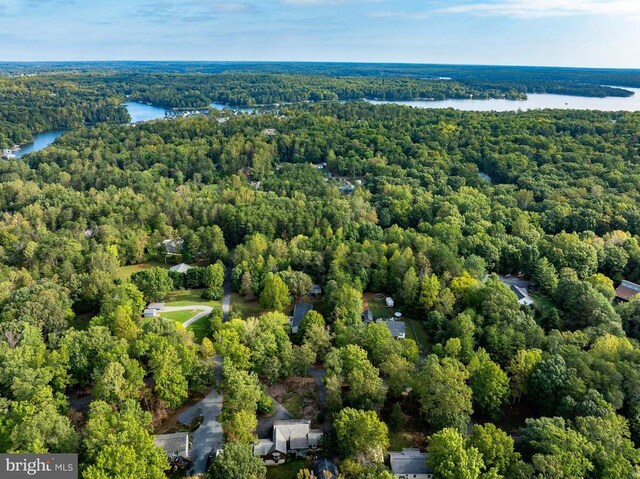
column 226, row 299
column 516, row 281
column 206, row 310
column 208, row 437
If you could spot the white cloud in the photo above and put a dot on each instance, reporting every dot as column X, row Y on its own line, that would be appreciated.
column 526, row 9
column 547, row 8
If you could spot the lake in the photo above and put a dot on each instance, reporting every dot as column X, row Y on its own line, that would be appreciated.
column 535, row 101
column 142, row 112
column 40, row 142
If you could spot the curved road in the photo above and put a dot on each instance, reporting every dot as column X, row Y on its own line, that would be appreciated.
column 206, row 310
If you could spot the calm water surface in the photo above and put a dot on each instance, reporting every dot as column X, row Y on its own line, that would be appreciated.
column 534, row 102
column 40, row 142
column 143, row 112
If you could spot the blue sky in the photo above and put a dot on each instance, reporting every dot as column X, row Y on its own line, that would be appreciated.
column 602, row 33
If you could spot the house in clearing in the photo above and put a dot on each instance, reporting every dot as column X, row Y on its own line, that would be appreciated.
column 299, row 312
column 152, row 310
column 290, row 438
column 316, row 290
column 398, row 328
column 172, row 246
column 175, row 445
column 627, row 290
column 181, row 268
column 410, row 464
column 522, row 294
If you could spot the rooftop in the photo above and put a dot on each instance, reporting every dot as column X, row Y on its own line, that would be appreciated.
column 409, row 461
column 397, row 328
column 627, row 290
column 299, row 312
column 176, row 442
column 181, row 268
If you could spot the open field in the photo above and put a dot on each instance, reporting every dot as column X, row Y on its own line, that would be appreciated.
column 188, row 297
column 125, row 272
column 180, row 316
column 200, row 329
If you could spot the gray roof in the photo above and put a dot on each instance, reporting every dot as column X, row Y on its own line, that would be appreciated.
column 517, row 291
column 630, row 285
column 315, row 289
column 173, row 442
column 155, row 306
column 409, row 461
column 299, row 312
column 181, row 268
column 368, row 316
column 397, row 328
column 297, row 432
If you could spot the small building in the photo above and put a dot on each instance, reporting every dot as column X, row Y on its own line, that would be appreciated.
column 181, row 268
column 390, row 302
column 8, row 154
column 410, row 464
column 152, row 310
column 367, row 316
column 175, row 445
column 627, row 290
column 290, row 438
column 315, row 290
column 269, row 131
column 172, row 246
column 300, row 310
column 398, row 329
column 484, row 177
column 325, row 469
column 522, row 294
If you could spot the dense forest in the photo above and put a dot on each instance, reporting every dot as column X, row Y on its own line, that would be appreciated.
column 430, row 207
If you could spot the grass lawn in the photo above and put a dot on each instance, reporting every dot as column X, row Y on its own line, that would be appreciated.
column 188, row 297
column 200, row 329
column 420, row 335
column 378, row 308
column 125, row 272
column 245, row 308
column 288, row 470
column 180, row 316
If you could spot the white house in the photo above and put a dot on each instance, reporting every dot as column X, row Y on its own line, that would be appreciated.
column 410, row 464
column 181, row 268
column 152, row 310
column 175, row 445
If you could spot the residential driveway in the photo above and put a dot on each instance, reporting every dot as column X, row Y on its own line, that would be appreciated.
column 208, row 437
column 516, row 281
column 265, row 424
column 206, row 310
column 226, row 299
column 318, row 375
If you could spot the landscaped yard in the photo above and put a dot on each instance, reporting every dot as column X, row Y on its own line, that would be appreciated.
column 200, row 329
column 180, row 316
column 244, row 307
column 288, row 470
column 420, row 335
column 380, row 311
column 378, row 308
column 125, row 272
column 188, row 297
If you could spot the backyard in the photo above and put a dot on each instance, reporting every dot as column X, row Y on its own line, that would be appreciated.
column 125, row 272
column 288, row 470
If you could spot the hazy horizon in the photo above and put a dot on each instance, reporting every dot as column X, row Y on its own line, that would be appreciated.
column 565, row 33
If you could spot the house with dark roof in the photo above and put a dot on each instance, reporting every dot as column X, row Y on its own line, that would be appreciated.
column 398, row 328
column 522, row 294
column 627, row 290
column 367, row 316
column 410, row 464
column 300, row 310
column 290, row 438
